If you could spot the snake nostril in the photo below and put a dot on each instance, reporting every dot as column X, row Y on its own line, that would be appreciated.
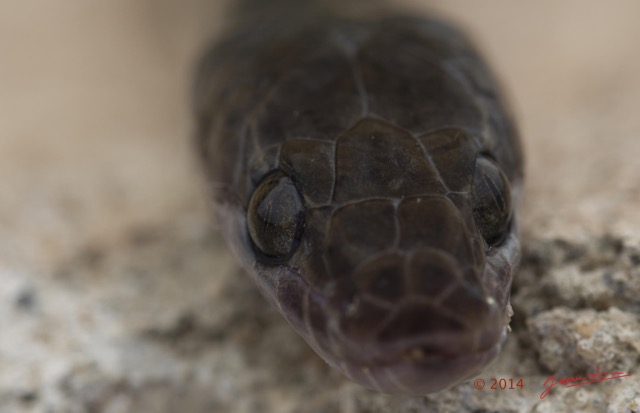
column 432, row 273
column 382, row 277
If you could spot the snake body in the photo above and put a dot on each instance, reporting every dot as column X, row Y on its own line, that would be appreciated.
column 365, row 172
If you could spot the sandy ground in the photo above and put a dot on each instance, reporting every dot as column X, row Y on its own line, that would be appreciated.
column 116, row 295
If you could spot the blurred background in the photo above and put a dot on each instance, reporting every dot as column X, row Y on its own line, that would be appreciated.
column 115, row 293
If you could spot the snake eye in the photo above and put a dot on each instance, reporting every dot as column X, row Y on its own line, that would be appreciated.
column 491, row 196
column 276, row 216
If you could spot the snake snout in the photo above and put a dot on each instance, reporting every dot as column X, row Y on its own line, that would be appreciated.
column 414, row 305
column 427, row 344
column 421, row 306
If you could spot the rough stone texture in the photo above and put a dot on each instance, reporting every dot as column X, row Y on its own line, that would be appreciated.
column 117, row 296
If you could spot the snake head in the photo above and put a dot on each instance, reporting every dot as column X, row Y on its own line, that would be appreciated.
column 364, row 176
column 393, row 257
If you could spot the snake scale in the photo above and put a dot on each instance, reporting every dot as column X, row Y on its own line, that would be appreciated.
column 364, row 171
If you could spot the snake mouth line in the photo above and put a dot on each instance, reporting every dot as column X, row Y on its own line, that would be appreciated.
column 417, row 371
column 423, row 366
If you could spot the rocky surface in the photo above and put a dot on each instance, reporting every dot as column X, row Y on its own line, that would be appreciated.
column 117, row 295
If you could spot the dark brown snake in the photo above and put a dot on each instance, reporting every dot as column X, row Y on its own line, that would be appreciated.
column 365, row 172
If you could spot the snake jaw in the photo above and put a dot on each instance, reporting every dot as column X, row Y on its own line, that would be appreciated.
column 416, row 373
column 426, row 363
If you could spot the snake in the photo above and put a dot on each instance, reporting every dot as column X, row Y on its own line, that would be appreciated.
column 364, row 169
